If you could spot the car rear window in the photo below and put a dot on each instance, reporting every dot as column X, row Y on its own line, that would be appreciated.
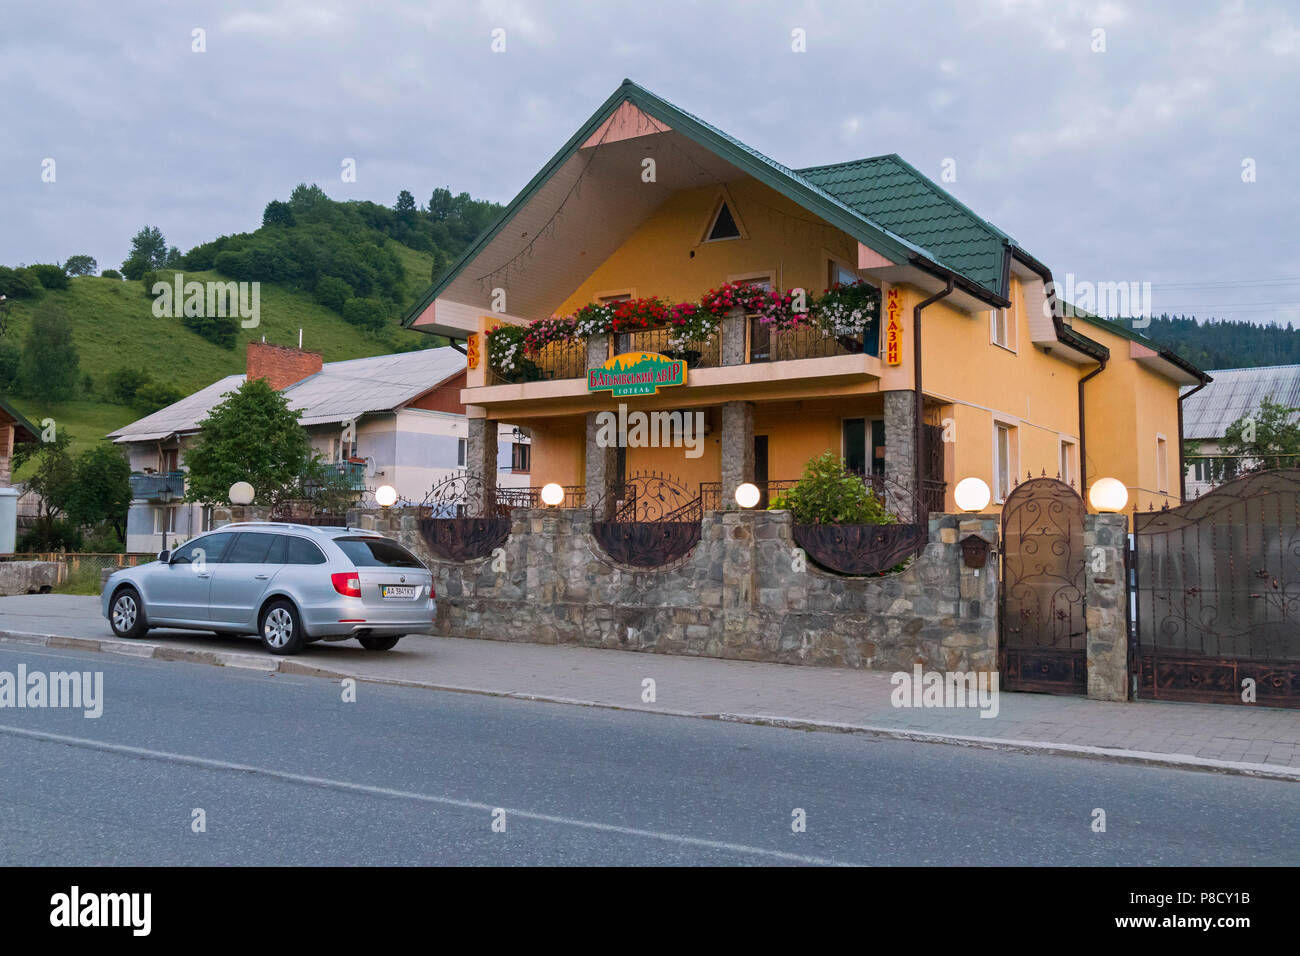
column 302, row 551
column 377, row 553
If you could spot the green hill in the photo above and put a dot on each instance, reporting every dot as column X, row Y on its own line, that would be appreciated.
column 308, row 250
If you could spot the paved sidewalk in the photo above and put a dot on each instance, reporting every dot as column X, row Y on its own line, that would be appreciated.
column 1263, row 741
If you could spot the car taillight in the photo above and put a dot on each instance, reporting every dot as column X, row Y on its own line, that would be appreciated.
column 346, row 583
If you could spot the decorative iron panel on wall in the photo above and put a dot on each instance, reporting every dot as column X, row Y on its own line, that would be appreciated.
column 1044, row 639
column 1217, row 594
column 463, row 519
column 651, row 521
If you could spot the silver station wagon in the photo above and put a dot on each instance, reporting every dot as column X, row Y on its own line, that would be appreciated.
column 291, row 584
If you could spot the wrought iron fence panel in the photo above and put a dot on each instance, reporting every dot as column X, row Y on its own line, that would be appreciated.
column 1217, row 593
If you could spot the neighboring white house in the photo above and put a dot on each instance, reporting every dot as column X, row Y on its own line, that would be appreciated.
column 388, row 420
column 1234, row 394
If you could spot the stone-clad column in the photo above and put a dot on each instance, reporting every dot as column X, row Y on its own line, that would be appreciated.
column 481, row 461
column 602, row 467
column 737, row 448
column 1105, row 537
column 733, row 337
column 900, row 450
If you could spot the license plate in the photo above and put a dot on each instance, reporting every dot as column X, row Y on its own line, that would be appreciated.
column 398, row 591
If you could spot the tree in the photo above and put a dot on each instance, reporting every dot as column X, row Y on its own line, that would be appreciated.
column 253, row 436
column 220, row 330
column 148, row 251
column 10, row 359
column 277, row 213
column 440, row 205
column 81, row 266
column 1270, row 437
column 405, row 202
column 101, row 489
column 53, row 480
column 49, row 369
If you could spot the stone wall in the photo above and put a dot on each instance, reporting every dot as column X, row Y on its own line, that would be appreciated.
column 1105, row 538
column 745, row 592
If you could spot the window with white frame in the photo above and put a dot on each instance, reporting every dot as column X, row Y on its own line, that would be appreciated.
column 1067, row 462
column 1000, row 327
column 1004, row 460
column 1162, row 464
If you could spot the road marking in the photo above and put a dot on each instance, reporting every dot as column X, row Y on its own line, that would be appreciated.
column 211, row 764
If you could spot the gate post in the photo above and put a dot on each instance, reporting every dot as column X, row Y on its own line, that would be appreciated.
column 1106, row 595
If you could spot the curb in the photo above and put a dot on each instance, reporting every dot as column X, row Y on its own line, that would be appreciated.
column 285, row 665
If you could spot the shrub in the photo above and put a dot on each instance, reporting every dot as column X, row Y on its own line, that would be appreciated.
column 220, row 330
column 828, row 494
column 367, row 314
column 148, row 279
column 50, row 277
column 152, row 396
column 111, row 274
column 123, row 383
column 19, row 283
column 333, row 293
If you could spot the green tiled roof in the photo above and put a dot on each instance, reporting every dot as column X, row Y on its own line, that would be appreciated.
column 897, row 197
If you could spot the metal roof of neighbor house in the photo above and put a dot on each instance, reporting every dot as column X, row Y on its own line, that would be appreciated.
column 1236, row 393
column 793, row 184
column 899, row 197
column 182, row 416
column 340, row 391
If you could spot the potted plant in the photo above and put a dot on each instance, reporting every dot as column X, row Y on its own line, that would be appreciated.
column 847, row 312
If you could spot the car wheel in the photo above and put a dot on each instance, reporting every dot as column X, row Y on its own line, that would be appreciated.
column 126, row 614
column 280, row 628
column 380, row 643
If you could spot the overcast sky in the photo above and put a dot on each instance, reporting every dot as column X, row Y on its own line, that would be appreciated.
column 1124, row 164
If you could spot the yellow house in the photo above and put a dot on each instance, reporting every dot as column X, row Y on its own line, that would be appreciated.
column 966, row 364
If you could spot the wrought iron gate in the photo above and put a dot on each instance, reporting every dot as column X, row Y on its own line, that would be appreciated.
column 1217, row 594
column 1043, row 631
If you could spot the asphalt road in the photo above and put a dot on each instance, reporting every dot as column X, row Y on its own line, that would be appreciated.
column 287, row 772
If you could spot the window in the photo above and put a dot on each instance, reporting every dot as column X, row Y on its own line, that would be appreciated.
column 724, row 224
column 164, row 520
column 837, row 272
column 1066, row 469
column 1162, row 464
column 168, row 460
column 1004, row 460
column 520, row 456
column 302, row 551
column 999, row 331
column 211, row 545
column 250, row 547
column 377, row 553
column 460, row 452
column 760, row 334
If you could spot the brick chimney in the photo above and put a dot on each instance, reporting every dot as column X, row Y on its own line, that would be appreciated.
column 280, row 365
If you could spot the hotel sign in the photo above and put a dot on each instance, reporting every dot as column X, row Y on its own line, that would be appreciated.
column 636, row 373
column 894, row 328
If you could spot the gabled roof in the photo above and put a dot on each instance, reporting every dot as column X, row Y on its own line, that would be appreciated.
column 896, row 195
column 23, row 425
column 818, row 198
column 1235, row 393
column 339, row 392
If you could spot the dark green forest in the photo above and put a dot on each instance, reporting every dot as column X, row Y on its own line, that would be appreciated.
column 1216, row 343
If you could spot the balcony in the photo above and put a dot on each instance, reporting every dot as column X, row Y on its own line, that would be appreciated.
column 353, row 473
column 158, row 486
column 567, row 360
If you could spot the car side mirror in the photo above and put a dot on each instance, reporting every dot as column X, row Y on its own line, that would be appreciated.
column 165, row 556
